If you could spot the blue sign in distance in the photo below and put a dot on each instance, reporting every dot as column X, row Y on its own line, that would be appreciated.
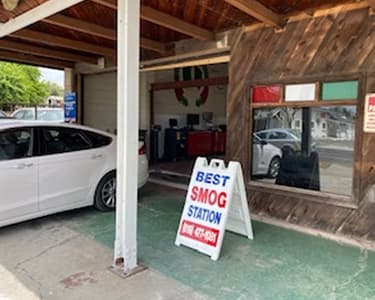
column 70, row 107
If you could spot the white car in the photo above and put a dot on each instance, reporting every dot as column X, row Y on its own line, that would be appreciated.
column 47, row 168
column 282, row 138
column 42, row 114
column 266, row 158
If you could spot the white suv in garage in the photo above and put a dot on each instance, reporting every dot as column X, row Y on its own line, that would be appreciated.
column 47, row 168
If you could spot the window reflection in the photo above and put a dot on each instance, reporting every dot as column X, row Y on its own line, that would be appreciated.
column 310, row 148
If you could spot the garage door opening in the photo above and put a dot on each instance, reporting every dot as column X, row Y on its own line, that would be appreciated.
column 187, row 118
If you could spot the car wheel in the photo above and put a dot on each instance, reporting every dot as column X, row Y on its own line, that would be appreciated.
column 105, row 195
column 274, row 167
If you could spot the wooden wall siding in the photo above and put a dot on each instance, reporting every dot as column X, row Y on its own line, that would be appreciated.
column 330, row 46
column 362, row 221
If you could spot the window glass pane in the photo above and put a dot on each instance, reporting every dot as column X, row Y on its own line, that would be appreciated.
column 15, row 143
column 51, row 115
column 300, row 92
column 19, row 114
column 309, row 148
column 98, row 140
column 340, row 90
column 60, row 140
column 267, row 94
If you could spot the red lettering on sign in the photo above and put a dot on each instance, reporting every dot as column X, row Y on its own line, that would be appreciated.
column 200, row 233
column 371, row 104
column 205, row 195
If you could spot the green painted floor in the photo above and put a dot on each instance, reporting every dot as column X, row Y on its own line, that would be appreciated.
column 278, row 264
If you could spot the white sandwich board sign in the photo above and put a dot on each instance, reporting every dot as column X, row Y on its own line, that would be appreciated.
column 216, row 201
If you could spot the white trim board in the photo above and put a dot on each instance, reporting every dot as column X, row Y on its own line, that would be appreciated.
column 36, row 14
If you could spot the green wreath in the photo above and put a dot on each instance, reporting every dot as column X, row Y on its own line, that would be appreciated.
column 198, row 73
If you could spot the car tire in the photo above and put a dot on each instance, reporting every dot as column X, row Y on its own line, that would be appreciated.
column 105, row 194
column 274, row 167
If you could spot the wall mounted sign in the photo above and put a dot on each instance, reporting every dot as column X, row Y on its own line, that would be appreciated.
column 340, row 90
column 216, row 201
column 369, row 122
column 192, row 73
column 300, row 92
column 70, row 107
column 266, row 94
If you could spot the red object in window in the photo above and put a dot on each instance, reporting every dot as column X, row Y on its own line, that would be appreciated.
column 267, row 94
column 218, row 143
column 199, row 143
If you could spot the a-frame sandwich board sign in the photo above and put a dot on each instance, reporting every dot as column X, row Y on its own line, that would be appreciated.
column 216, row 201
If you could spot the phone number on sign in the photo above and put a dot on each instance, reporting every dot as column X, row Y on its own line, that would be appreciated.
column 199, row 233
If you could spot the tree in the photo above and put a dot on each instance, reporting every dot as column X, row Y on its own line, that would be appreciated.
column 54, row 89
column 21, row 85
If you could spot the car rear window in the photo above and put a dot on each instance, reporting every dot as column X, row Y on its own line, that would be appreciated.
column 98, row 140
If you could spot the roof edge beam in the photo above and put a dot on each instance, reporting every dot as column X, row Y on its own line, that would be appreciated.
column 165, row 20
column 100, row 31
column 34, row 60
column 372, row 4
column 175, row 24
column 154, row 46
column 36, row 14
column 81, row 26
column 259, row 12
column 107, row 3
column 54, row 40
column 45, row 52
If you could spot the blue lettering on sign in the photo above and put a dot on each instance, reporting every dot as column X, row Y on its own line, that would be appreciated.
column 212, row 178
column 204, row 214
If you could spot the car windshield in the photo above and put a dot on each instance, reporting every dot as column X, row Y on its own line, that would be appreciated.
column 2, row 114
column 51, row 115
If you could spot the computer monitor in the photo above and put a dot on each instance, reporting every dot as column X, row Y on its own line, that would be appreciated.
column 192, row 119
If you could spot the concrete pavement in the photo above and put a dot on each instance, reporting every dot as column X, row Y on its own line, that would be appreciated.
column 44, row 259
column 67, row 256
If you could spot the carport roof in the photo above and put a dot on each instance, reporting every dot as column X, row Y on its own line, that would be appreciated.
column 87, row 31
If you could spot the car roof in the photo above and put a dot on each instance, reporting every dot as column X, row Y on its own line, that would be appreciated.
column 14, row 123
column 39, row 108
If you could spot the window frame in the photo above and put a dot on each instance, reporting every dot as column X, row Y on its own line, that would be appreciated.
column 349, row 201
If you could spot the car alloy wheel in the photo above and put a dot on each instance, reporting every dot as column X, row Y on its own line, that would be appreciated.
column 274, row 167
column 108, row 193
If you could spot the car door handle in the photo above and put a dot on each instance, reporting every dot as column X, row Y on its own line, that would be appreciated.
column 23, row 166
column 96, row 156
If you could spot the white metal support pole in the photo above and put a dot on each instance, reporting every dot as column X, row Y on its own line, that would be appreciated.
column 127, row 133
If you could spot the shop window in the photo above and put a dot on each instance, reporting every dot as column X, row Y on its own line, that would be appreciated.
column 305, row 157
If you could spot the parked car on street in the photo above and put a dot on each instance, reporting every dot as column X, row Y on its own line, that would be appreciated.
column 47, row 168
column 42, row 114
column 283, row 138
column 266, row 158
column 3, row 115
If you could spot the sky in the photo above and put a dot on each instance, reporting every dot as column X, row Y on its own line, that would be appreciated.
column 52, row 75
